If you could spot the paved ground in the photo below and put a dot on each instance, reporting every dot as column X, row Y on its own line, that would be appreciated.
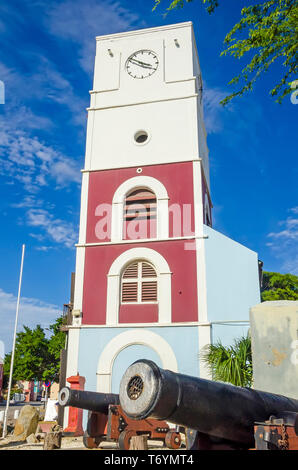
column 69, row 443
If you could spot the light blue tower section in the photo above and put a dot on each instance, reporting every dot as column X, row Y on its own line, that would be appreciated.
column 232, row 281
column 183, row 341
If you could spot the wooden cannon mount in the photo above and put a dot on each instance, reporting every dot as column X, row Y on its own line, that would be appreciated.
column 107, row 421
column 117, row 427
column 274, row 434
column 278, row 433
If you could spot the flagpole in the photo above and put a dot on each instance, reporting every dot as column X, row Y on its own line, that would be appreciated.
column 13, row 347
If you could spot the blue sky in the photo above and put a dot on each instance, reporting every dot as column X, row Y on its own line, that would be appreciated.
column 46, row 62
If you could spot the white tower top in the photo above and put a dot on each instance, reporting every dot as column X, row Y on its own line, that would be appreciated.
column 147, row 85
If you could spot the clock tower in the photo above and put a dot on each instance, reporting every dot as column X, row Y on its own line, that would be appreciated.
column 153, row 278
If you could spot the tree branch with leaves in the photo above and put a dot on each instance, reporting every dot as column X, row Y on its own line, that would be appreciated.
column 276, row 286
column 268, row 32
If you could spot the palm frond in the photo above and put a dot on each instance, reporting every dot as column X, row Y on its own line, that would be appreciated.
column 231, row 364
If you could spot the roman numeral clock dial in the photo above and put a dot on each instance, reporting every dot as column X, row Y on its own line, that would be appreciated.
column 141, row 64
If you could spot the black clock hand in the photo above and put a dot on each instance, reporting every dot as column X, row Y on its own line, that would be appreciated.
column 141, row 64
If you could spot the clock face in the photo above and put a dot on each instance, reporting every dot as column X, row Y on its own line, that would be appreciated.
column 142, row 64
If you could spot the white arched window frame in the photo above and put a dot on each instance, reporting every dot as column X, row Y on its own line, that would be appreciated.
column 162, row 212
column 140, row 285
column 124, row 340
column 164, row 283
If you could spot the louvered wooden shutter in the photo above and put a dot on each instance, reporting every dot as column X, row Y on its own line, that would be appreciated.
column 131, row 271
column 149, row 288
column 140, row 204
column 134, row 288
column 149, row 291
column 148, row 270
column 129, row 292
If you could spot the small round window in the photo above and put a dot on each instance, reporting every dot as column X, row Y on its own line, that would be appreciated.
column 141, row 137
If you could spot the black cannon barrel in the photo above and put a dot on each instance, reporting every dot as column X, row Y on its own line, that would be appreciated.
column 215, row 408
column 92, row 401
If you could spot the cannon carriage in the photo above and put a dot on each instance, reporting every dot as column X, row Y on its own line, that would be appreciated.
column 108, row 423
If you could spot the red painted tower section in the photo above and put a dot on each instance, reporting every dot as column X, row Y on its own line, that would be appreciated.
column 184, row 294
column 178, row 180
column 176, row 177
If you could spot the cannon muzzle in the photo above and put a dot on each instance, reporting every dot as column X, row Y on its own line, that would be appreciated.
column 92, row 401
column 217, row 409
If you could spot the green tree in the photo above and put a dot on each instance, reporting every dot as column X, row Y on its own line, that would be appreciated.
column 55, row 345
column 231, row 364
column 276, row 286
column 37, row 357
column 266, row 33
column 31, row 354
column 6, row 369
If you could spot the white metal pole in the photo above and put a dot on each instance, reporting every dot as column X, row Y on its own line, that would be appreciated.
column 13, row 346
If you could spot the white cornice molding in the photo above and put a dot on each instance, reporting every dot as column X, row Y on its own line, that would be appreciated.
column 141, row 325
column 125, row 105
column 144, row 31
column 159, row 325
column 141, row 240
column 91, row 92
column 85, row 170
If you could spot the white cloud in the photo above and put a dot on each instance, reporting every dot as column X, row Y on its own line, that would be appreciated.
column 81, row 22
column 26, row 158
column 43, row 83
column 27, row 201
column 23, row 156
column 44, row 248
column 290, row 231
column 56, row 229
column 213, row 110
column 235, row 120
column 37, row 236
column 32, row 312
column 284, row 243
column 32, row 162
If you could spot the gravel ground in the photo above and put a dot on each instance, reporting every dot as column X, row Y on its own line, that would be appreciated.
column 68, row 443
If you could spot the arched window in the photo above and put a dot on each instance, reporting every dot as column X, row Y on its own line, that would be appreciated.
column 159, row 226
column 156, row 271
column 139, row 216
column 139, row 283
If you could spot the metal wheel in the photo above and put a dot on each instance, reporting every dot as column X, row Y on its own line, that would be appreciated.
column 173, row 440
column 124, row 439
column 91, row 442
